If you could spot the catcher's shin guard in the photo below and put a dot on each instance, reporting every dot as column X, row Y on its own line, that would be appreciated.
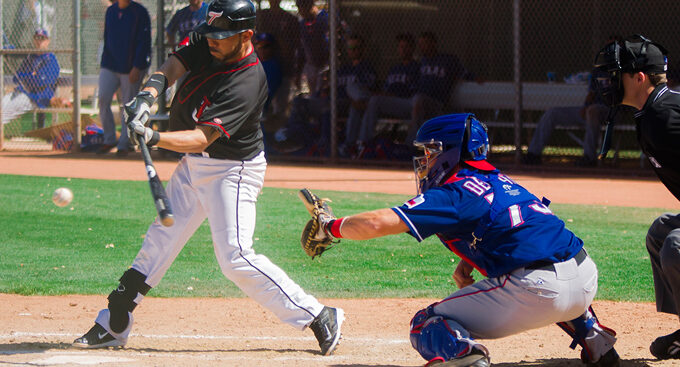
column 437, row 338
column 596, row 339
column 124, row 299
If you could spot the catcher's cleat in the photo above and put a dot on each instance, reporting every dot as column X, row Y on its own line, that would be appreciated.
column 326, row 328
column 476, row 358
column 667, row 346
column 97, row 337
column 609, row 359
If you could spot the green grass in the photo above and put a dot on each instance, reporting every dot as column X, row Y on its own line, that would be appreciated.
column 85, row 247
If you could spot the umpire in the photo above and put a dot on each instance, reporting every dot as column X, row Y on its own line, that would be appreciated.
column 215, row 120
column 636, row 89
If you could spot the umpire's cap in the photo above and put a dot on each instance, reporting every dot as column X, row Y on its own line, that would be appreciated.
column 226, row 18
column 635, row 53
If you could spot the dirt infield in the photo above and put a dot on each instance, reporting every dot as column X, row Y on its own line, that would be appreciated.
column 238, row 332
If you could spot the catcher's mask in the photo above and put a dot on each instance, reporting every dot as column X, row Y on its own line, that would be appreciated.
column 226, row 18
column 446, row 141
column 634, row 54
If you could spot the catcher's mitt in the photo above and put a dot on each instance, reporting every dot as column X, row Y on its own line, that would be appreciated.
column 315, row 238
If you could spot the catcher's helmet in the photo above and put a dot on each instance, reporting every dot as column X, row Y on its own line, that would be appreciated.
column 226, row 18
column 446, row 141
column 636, row 53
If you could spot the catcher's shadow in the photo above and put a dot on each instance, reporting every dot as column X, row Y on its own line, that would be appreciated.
column 569, row 362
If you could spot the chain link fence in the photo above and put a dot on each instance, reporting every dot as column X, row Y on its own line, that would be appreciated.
column 360, row 92
column 496, row 52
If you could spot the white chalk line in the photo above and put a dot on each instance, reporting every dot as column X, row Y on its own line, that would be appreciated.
column 15, row 334
column 61, row 356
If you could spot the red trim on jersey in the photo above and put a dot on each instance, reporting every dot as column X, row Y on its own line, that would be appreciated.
column 249, row 53
column 450, row 246
column 184, row 63
column 214, row 124
column 453, row 179
column 204, row 104
column 218, row 73
column 483, row 165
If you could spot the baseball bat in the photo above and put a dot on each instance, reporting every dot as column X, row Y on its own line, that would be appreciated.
column 160, row 198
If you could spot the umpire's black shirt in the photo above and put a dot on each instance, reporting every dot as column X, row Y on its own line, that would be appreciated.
column 658, row 131
column 228, row 97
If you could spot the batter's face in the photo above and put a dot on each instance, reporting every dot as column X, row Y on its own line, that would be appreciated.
column 230, row 49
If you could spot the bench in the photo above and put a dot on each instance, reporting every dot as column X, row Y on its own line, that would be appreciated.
column 497, row 96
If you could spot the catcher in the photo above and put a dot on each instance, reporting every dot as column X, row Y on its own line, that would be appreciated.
column 537, row 271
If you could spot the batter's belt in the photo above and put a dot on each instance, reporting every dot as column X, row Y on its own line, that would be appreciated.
column 547, row 265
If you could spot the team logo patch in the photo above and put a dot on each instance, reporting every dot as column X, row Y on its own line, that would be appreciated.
column 415, row 201
column 217, row 121
column 212, row 15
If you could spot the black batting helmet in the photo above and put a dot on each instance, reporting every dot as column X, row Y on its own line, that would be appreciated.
column 226, row 18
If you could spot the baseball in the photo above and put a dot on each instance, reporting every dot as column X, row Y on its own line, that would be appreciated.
column 62, row 196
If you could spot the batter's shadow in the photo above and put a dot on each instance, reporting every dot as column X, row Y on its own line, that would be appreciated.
column 235, row 350
column 31, row 347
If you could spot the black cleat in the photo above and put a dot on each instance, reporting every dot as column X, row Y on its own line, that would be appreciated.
column 97, row 337
column 666, row 347
column 326, row 328
column 476, row 358
column 609, row 359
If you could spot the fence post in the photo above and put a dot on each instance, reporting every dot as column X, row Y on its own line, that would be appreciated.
column 333, row 64
column 76, row 76
column 516, row 31
column 160, row 48
column 2, row 77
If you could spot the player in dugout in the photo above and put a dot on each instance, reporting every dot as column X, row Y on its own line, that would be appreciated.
column 537, row 272
column 636, row 90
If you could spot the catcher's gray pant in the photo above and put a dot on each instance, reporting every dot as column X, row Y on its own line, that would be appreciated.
column 225, row 192
column 526, row 299
column 14, row 105
column 109, row 82
column 595, row 114
column 663, row 245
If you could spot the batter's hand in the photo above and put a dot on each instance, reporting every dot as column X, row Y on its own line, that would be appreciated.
column 137, row 114
column 462, row 275
column 151, row 136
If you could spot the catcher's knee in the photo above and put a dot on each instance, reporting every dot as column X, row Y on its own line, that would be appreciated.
column 434, row 336
column 131, row 289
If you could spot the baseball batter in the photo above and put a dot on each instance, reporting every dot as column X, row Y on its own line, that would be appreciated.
column 215, row 119
column 537, row 271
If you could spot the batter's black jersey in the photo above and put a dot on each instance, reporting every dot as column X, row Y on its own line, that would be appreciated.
column 228, row 97
column 658, row 131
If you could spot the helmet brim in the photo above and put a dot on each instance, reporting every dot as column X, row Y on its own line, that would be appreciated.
column 482, row 165
column 214, row 32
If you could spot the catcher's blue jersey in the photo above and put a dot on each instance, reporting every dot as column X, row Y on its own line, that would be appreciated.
column 513, row 228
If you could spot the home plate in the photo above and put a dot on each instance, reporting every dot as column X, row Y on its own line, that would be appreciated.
column 78, row 359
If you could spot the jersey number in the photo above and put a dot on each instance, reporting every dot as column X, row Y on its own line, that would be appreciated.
column 515, row 213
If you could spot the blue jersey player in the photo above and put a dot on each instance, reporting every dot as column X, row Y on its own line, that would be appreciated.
column 536, row 271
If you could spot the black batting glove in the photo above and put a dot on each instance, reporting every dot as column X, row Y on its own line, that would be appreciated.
column 137, row 116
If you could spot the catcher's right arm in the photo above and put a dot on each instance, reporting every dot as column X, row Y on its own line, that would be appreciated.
column 316, row 236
